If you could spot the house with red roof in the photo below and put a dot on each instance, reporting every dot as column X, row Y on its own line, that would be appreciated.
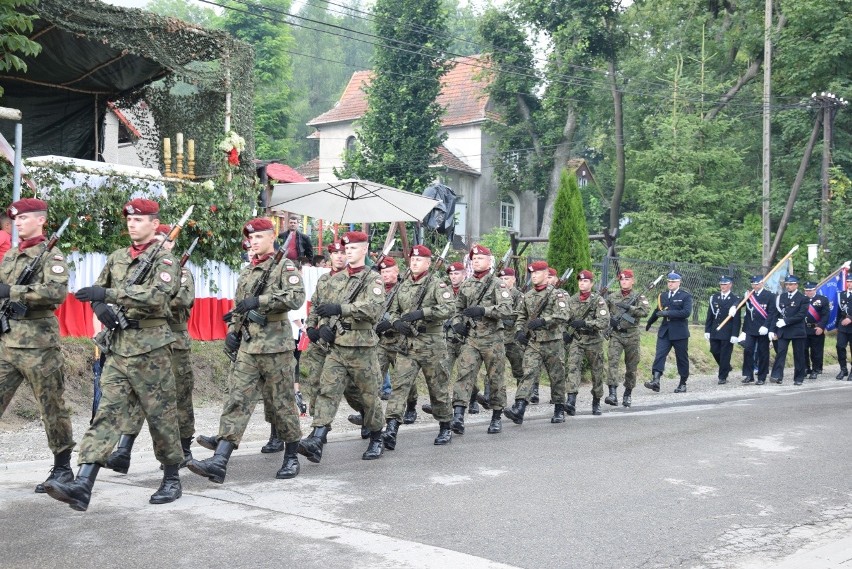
column 463, row 162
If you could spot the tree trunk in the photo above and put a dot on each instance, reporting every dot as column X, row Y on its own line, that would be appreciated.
column 618, row 190
column 560, row 159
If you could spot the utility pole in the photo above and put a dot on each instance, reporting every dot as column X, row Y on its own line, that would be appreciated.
column 767, row 91
column 830, row 104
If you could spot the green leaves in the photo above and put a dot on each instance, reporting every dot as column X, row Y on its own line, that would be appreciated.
column 14, row 27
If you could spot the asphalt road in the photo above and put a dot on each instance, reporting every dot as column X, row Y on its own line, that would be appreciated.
column 743, row 480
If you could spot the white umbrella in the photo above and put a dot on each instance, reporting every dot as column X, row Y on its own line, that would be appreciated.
column 350, row 201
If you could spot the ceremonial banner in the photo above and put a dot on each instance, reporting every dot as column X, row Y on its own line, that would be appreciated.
column 831, row 289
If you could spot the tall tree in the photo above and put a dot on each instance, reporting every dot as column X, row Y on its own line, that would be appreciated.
column 569, row 236
column 14, row 27
column 186, row 11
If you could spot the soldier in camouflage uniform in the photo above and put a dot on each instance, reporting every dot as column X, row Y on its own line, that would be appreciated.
column 624, row 336
column 180, row 306
column 29, row 350
column 481, row 305
column 419, row 310
column 260, row 334
column 514, row 351
column 589, row 317
column 138, row 368
column 541, row 318
column 349, row 312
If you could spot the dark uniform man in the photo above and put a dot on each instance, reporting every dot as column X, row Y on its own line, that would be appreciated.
column 675, row 308
column 722, row 305
column 816, row 321
column 588, row 317
column 541, row 317
column 482, row 304
column 624, row 336
column 138, row 368
column 29, row 349
column 260, row 334
column 788, row 325
column 180, row 307
column 759, row 308
column 419, row 310
column 844, row 327
column 514, row 351
column 349, row 313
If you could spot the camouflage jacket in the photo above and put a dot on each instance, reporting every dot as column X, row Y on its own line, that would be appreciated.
column 497, row 302
column 320, row 293
column 597, row 318
column 148, row 300
column 359, row 317
column 509, row 323
column 390, row 341
column 181, row 305
column 638, row 310
column 554, row 313
column 438, row 303
column 284, row 291
column 46, row 291
column 449, row 334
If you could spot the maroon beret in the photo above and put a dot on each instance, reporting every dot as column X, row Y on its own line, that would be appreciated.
column 421, row 251
column 257, row 224
column 387, row 263
column 551, row 271
column 246, row 244
column 537, row 266
column 140, row 206
column 355, row 237
column 585, row 274
column 335, row 247
column 507, row 273
column 479, row 250
column 457, row 266
column 26, row 205
column 626, row 273
column 163, row 229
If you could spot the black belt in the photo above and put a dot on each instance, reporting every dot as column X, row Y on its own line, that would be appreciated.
column 147, row 323
column 587, row 332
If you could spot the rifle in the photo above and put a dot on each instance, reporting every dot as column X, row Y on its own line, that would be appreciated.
column 334, row 321
column 392, row 295
column 545, row 299
column 185, row 257
column 570, row 331
column 614, row 321
column 424, row 288
column 467, row 320
column 18, row 309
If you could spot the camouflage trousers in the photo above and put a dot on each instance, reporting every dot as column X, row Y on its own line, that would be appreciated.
column 184, row 383
column 515, row 355
column 43, row 368
column 541, row 356
column 313, row 359
column 388, row 357
column 342, row 365
column 591, row 348
column 474, row 353
column 266, row 375
column 626, row 343
column 428, row 353
column 145, row 381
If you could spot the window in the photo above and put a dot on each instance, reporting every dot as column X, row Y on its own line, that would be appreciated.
column 350, row 144
column 582, row 180
column 509, row 211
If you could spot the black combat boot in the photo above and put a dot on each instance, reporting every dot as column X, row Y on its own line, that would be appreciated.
column 457, row 425
column 473, row 407
column 170, row 489
column 571, row 404
column 843, row 373
column 612, row 398
column 516, row 413
column 681, row 387
column 596, row 406
column 445, row 435
column 274, row 444
column 534, row 399
column 290, row 467
column 359, row 420
column 391, row 432
column 78, row 492
column 426, row 408
column 410, row 414
column 215, row 467
column 483, row 398
column 496, row 425
column 207, row 442
column 61, row 471
column 627, row 400
column 748, row 379
column 119, row 460
column 558, row 413
column 375, row 448
column 186, row 447
column 723, row 380
column 311, row 446
column 654, row 384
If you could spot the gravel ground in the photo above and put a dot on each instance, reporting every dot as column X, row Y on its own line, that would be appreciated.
column 25, row 440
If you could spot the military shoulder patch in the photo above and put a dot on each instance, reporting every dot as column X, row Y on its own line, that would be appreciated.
column 58, row 269
column 168, row 262
column 58, row 258
column 165, row 277
column 377, row 290
column 293, row 279
column 442, row 285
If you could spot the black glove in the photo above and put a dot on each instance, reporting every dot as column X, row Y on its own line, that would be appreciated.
column 566, row 337
column 413, row 316
column 383, row 326
column 577, row 324
column 232, row 342
column 662, row 313
column 648, row 324
column 105, row 314
column 228, row 316
column 403, row 328
column 91, row 294
column 536, row 323
column 4, row 290
column 313, row 335
column 324, row 310
column 624, row 304
column 327, row 334
column 474, row 312
column 460, row 329
column 247, row 304
column 521, row 337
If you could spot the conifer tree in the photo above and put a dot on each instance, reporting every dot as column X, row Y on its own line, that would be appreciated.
column 569, row 235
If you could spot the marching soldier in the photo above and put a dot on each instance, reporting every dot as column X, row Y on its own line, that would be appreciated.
column 29, row 348
column 481, row 305
column 138, row 369
column 418, row 315
column 552, row 276
column 816, row 320
column 675, row 308
column 349, row 312
column 541, row 317
column 180, row 306
column 844, row 327
column 589, row 316
column 755, row 334
column 624, row 336
column 260, row 334
column 514, row 351
column 788, row 325
column 722, row 305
